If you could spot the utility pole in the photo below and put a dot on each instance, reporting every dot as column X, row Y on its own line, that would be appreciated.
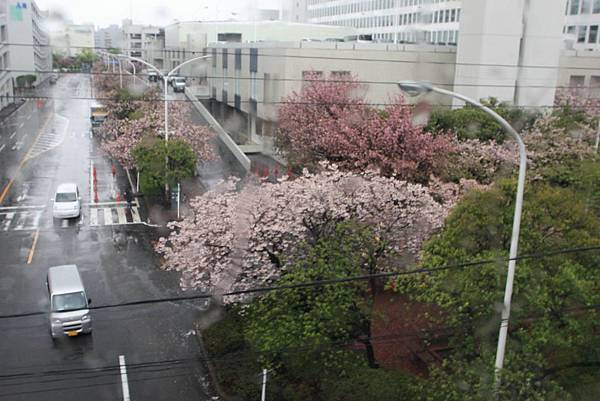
column 597, row 138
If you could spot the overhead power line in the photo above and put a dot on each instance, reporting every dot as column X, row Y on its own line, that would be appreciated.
column 317, row 283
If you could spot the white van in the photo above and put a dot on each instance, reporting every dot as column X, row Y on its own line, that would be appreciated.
column 69, row 313
column 67, row 202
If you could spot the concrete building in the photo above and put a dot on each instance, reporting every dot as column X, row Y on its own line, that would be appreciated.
column 138, row 40
column 395, row 21
column 294, row 10
column 108, row 38
column 72, row 39
column 25, row 46
column 6, row 82
column 581, row 24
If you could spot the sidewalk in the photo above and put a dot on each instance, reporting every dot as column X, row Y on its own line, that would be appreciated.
column 10, row 109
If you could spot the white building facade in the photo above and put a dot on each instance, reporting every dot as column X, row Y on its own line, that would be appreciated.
column 72, row 40
column 138, row 40
column 108, row 38
column 24, row 47
column 395, row 21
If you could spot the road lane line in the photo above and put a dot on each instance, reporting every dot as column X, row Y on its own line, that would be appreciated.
column 93, row 217
column 32, row 250
column 124, row 380
column 10, row 183
column 21, row 221
column 91, row 181
column 135, row 214
column 8, row 220
column 13, row 135
column 65, row 223
column 22, row 207
column 121, row 215
column 2, row 148
column 108, row 217
column 29, row 117
column 21, row 125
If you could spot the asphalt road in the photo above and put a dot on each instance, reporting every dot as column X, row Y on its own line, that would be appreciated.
column 42, row 145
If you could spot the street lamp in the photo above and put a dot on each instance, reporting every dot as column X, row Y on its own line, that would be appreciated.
column 415, row 88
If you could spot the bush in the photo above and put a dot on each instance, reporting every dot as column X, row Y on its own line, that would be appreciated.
column 25, row 81
column 470, row 122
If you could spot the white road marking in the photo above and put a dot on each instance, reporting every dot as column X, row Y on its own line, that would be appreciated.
column 114, row 204
column 91, row 181
column 13, row 135
column 7, row 221
column 136, row 215
column 65, row 223
column 124, row 380
column 23, row 207
column 121, row 216
column 21, row 125
column 108, row 217
column 36, row 219
column 2, row 148
column 93, row 217
column 29, row 117
column 21, row 221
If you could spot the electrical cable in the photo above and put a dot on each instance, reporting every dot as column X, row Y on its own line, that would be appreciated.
column 317, row 283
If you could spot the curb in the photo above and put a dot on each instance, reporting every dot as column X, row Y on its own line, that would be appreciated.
column 211, row 369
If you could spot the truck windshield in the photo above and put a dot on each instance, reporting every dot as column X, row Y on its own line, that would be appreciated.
column 69, row 302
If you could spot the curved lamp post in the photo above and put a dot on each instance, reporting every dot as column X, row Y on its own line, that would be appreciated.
column 415, row 88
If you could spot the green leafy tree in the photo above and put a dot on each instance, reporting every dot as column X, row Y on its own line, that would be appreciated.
column 150, row 156
column 552, row 340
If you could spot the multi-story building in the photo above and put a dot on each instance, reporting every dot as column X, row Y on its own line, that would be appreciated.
column 293, row 10
column 6, row 82
column 395, row 21
column 108, row 38
column 512, row 53
column 138, row 40
column 581, row 24
column 25, row 45
column 72, row 40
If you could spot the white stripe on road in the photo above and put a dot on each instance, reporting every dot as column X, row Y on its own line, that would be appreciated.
column 124, row 381
column 22, row 207
column 65, row 223
column 29, row 117
column 36, row 218
column 108, row 217
column 2, row 148
column 21, row 125
column 13, row 135
column 121, row 215
column 7, row 221
column 136, row 215
column 91, row 181
column 21, row 221
column 93, row 217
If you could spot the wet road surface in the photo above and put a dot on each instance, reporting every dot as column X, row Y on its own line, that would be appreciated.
column 42, row 145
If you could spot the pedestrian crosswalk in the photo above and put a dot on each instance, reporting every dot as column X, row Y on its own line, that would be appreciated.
column 21, row 219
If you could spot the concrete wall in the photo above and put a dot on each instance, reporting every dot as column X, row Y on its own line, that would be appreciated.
column 73, row 40
column 580, row 66
column 6, row 85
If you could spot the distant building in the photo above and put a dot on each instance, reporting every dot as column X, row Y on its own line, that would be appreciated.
column 108, row 38
column 294, row 10
column 138, row 40
column 581, row 24
column 72, row 40
column 24, row 47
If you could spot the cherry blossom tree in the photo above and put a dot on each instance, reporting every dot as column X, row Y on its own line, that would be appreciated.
column 330, row 120
column 240, row 239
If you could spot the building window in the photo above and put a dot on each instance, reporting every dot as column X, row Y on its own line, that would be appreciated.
column 574, row 7
column 593, row 37
column 581, row 33
column 586, row 6
column 596, row 9
column 571, row 29
column 453, row 16
column 576, row 81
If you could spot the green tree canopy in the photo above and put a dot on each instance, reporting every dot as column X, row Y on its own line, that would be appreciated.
column 552, row 340
column 150, row 156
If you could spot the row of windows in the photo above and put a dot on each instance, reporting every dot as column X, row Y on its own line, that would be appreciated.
column 575, row 7
column 584, row 33
column 360, row 7
column 443, row 16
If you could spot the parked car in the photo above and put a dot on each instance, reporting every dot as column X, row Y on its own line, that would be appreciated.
column 69, row 304
column 98, row 114
column 67, row 202
column 178, row 84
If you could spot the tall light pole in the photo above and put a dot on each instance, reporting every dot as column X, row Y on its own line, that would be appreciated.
column 415, row 88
